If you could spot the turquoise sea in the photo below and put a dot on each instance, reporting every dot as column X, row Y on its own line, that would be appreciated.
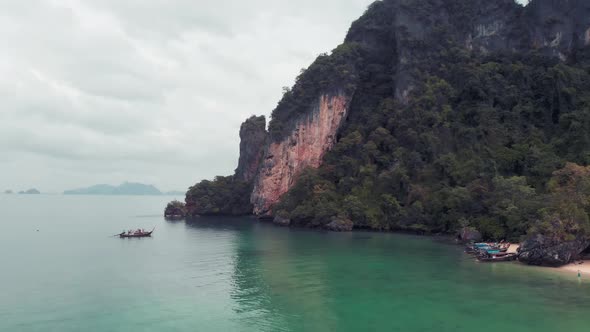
column 236, row 274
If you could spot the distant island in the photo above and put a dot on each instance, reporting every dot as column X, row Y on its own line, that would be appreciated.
column 31, row 191
column 127, row 188
column 8, row 192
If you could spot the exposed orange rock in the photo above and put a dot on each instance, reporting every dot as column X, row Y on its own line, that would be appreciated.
column 313, row 136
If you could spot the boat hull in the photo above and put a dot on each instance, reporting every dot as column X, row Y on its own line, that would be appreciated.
column 497, row 258
column 126, row 236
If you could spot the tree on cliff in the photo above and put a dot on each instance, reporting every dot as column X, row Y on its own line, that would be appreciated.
column 225, row 195
column 229, row 195
column 175, row 210
column 478, row 137
column 331, row 72
column 479, row 140
column 453, row 122
column 566, row 215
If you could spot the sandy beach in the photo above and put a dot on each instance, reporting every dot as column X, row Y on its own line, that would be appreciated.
column 573, row 268
column 513, row 248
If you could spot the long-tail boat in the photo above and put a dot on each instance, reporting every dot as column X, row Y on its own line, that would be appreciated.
column 499, row 257
column 478, row 248
column 138, row 233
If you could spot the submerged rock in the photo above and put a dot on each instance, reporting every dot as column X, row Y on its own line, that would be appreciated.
column 542, row 250
column 339, row 224
column 281, row 221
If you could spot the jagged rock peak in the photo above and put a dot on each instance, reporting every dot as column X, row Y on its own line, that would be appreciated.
column 559, row 25
column 253, row 138
column 556, row 26
column 404, row 38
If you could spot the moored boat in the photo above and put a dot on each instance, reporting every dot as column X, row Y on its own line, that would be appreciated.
column 498, row 257
column 137, row 233
column 480, row 248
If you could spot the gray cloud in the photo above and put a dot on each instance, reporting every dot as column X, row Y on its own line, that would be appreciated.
column 154, row 91
column 104, row 91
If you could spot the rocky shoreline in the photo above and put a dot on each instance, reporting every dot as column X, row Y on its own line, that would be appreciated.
column 536, row 250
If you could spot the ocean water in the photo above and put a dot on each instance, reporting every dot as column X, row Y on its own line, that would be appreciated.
column 236, row 274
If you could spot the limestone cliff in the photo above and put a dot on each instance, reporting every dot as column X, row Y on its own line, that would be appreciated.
column 558, row 26
column 253, row 138
column 386, row 54
column 414, row 28
column 228, row 195
column 401, row 36
column 314, row 134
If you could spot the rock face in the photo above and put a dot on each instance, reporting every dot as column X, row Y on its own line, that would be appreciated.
column 541, row 250
column 228, row 195
column 558, row 26
column 340, row 225
column 481, row 25
column 314, row 134
column 175, row 210
column 401, row 36
column 281, row 221
column 393, row 28
column 553, row 27
column 253, row 138
column 469, row 234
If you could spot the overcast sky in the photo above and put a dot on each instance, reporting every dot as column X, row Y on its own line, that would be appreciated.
column 152, row 91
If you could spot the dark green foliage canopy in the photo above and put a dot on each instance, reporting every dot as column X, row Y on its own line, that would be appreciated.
column 223, row 196
column 477, row 144
column 439, row 134
column 175, row 209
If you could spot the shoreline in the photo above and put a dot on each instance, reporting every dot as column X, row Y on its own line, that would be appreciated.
column 513, row 248
column 573, row 268
column 569, row 269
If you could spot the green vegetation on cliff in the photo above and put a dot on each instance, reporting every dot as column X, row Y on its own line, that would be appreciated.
column 225, row 195
column 483, row 141
column 462, row 113
column 333, row 73
column 230, row 195
column 175, row 210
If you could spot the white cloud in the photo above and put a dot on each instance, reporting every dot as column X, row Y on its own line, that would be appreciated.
column 152, row 91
